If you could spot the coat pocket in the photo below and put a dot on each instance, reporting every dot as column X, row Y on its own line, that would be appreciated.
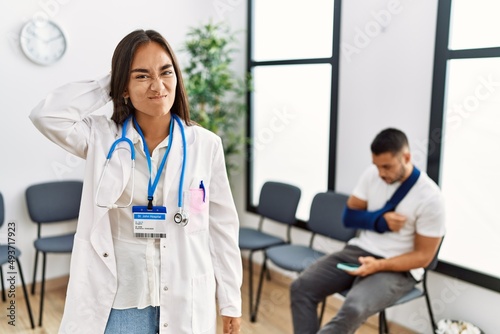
column 204, row 312
column 197, row 200
column 197, row 209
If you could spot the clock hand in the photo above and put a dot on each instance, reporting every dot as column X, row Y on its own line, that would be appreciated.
column 34, row 34
column 54, row 38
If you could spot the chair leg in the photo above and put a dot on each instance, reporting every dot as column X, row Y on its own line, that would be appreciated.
column 429, row 308
column 250, row 282
column 268, row 274
column 253, row 316
column 322, row 312
column 382, row 323
column 4, row 298
column 26, row 296
column 34, row 273
column 42, row 293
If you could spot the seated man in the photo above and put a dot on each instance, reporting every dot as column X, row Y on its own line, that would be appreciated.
column 400, row 214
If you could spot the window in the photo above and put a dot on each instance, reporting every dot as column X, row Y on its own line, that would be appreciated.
column 465, row 121
column 293, row 59
column 292, row 29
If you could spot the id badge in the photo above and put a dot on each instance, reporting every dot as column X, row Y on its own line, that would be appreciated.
column 150, row 223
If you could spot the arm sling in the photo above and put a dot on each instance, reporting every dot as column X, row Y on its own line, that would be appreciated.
column 374, row 220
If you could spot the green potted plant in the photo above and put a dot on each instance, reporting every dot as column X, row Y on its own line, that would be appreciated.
column 216, row 95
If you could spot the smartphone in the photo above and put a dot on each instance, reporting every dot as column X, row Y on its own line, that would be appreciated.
column 348, row 266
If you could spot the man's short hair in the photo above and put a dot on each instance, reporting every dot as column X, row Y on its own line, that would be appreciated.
column 389, row 140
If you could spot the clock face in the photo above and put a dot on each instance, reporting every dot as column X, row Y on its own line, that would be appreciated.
column 43, row 42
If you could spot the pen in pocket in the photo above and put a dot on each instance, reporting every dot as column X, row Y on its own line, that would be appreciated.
column 202, row 187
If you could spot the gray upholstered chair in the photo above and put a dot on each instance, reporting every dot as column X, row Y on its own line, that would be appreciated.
column 325, row 219
column 47, row 203
column 277, row 202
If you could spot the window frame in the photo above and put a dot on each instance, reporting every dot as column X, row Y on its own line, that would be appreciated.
column 333, row 61
column 441, row 57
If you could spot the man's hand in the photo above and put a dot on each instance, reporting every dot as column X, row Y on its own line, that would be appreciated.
column 230, row 325
column 395, row 221
column 369, row 265
column 423, row 253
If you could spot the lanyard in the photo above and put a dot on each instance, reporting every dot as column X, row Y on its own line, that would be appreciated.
column 152, row 184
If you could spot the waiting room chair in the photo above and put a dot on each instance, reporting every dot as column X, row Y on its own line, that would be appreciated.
column 325, row 219
column 415, row 293
column 277, row 202
column 47, row 203
column 9, row 254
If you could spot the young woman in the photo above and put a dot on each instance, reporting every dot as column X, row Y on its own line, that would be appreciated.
column 157, row 238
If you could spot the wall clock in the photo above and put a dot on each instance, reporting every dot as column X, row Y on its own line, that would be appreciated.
column 43, row 42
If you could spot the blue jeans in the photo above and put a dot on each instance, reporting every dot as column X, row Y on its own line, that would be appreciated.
column 134, row 321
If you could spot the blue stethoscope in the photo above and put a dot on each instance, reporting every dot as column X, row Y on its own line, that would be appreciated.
column 181, row 217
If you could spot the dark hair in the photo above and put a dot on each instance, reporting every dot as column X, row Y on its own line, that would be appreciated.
column 389, row 140
column 120, row 70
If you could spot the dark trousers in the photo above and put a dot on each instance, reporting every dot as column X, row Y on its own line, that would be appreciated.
column 367, row 295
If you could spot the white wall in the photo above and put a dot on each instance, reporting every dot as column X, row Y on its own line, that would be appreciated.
column 385, row 78
column 386, row 66
column 93, row 29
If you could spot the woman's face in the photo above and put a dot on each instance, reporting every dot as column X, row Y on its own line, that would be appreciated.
column 152, row 81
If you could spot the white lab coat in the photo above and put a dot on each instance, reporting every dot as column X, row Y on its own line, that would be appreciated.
column 199, row 262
